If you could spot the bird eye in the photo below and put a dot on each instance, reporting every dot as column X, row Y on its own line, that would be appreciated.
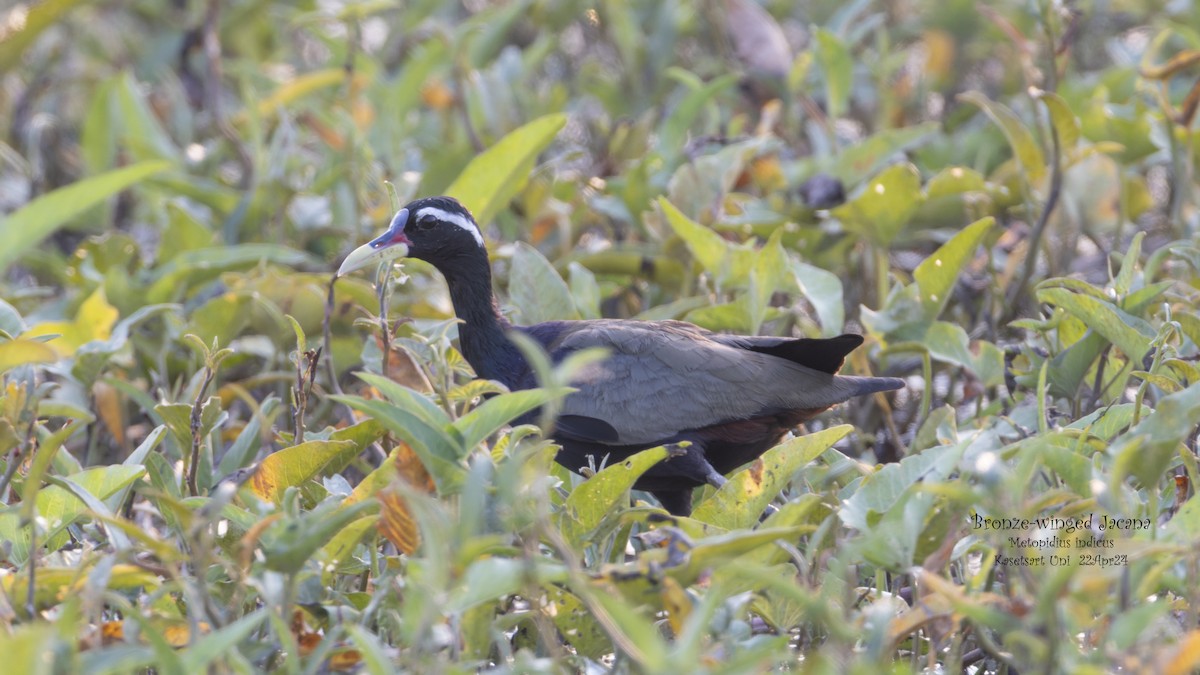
column 426, row 222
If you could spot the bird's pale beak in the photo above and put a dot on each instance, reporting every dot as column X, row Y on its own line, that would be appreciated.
column 390, row 245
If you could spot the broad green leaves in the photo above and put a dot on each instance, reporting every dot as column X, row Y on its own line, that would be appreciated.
column 492, row 178
column 1025, row 148
column 29, row 225
column 760, row 272
column 884, row 206
column 937, row 274
column 59, row 508
column 910, row 315
column 740, row 502
column 537, row 290
column 442, row 444
column 598, row 496
column 1130, row 334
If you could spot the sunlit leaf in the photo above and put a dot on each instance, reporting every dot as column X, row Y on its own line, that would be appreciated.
column 23, row 352
column 493, row 177
column 497, row 411
column 937, row 274
column 397, row 524
column 59, row 508
column 740, row 502
column 822, row 289
column 885, row 204
column 595, row 498
column 25, row 228
column 292, row 466
column 1114, row 324
column 1024, row 147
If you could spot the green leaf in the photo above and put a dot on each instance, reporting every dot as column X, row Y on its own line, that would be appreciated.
column 1066, row 124
column 93, row 356
column 1123, row 283
column 92, row 321
column 339, row 550
column 823, row 290
column 769, row 274
column 59, row 508
column 409, row 399
column 496, row 412
column 740, row 502
column 495, row 176
column 882, row 490
column 1114, row 324
column 584, row 291
column 24, row 229
column 31, row 649
column 438, row 451
column 222, row 318
column 949, row 343
column 209, row 648
column 854, row 164
column 884, row 206
column 97, row 142
column 1145, row 452
column 838, row 67
column 730, row 264
column 375, row 656
column 243, row 450
column 19, row 34
column 892, row 542
column 287, row 545
column 1024, row 147
column 493, row 578
column 537, row 290
column 937, row 274
column 674, row 129
column 1106, row 422
column 186, row 270
column 707, row 246
column 596, row 497
column 140, row 129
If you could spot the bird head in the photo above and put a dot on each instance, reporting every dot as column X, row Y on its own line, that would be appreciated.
column 433, row 229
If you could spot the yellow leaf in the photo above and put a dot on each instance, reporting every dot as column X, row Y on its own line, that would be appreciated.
column 397, row 524
column 677, row 603
column 1186, row 658
column 292, row 466
column 300, row 87
column 110, row 408
column 20, row 352
column 93, row 321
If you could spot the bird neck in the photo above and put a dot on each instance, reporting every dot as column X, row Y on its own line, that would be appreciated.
column 483, row 333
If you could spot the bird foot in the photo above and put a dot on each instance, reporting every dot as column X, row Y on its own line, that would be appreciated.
column 716, row 480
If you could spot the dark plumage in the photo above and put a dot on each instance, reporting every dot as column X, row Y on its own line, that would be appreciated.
column 732, row 396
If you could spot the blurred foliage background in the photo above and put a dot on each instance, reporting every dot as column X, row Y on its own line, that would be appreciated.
column 214, row 459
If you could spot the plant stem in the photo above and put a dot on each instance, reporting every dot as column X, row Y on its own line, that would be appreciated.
column 197, row 408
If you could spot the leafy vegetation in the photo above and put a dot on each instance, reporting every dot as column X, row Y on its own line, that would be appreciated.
column 212, row 459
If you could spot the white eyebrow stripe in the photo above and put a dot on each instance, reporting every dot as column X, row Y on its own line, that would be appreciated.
column 455, row 218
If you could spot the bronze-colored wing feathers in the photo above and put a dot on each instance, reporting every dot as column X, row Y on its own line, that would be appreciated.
column 663, row 378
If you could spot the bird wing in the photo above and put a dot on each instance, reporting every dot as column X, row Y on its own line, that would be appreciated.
column 666, row 377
